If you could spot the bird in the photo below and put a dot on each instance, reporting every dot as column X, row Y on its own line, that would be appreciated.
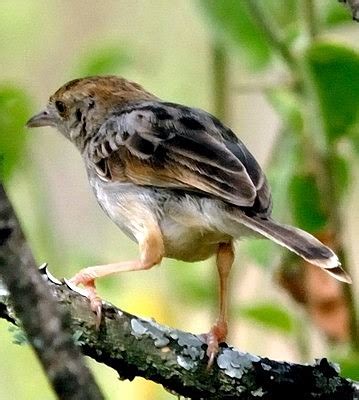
column 174, row 179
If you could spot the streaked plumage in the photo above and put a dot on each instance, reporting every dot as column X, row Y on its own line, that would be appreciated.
column 174, row 178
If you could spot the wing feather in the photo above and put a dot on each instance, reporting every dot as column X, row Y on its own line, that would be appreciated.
column 168, row 145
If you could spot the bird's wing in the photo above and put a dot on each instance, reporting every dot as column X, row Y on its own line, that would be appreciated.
column 168, row 145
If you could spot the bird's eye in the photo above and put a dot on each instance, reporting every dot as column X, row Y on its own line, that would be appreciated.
column 60, row 106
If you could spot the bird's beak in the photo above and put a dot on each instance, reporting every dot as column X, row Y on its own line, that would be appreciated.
column 43, row 118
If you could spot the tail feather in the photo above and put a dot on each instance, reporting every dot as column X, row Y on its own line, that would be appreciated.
column 300, row 242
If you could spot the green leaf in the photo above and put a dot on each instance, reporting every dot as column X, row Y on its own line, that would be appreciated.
column 104, row 60
column 14, row 112
column 233, row 18
column 305, row 200
column 269, row 315
column 334, row 72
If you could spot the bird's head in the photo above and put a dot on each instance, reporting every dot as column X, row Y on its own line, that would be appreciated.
column 81, row 106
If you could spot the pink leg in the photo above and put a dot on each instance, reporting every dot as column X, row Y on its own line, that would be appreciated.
column 87, row 276
column 151, row 250
column 218, row 332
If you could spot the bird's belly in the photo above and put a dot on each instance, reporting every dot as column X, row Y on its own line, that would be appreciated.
column 188, row 228
column 189, row 243
column 192, row 228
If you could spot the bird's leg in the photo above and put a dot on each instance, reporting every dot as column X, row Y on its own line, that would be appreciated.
column 218, row 332
column 151, row 253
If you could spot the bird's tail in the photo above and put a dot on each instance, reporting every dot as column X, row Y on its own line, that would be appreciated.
column 300, row 242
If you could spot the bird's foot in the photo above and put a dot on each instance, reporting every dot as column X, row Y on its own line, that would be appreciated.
column 87, row 280
column 216, row 335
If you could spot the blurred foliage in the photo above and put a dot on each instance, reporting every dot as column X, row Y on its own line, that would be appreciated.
column 262, row 252
column 354, row 138
column 341, row 173
column 305, row 201
column 285, row 13
column 233, row 18
column 14, row 112
column 288, row 105
column 282, row 167
column 334, row 73
column 269, row 315
column 349, row 366
column 308, row 172
column 103, row 60
column 193, row 284
column 333, row 13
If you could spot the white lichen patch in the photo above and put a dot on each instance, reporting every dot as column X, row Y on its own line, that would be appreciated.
column 258, row 392
column 138, row 329
column 185, row 362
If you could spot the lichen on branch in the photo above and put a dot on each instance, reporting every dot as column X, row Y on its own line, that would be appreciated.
column 135, row 346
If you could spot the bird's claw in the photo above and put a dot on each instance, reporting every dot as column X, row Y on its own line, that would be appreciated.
column 96, row 307
column 71, row 285
column 88, row 291
column 44, row 271
column 216, row 335
column 212, row 348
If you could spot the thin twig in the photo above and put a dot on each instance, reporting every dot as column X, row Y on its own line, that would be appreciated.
column 220, row 77
column 270, row 32
column 258, row 85
column 310, row 18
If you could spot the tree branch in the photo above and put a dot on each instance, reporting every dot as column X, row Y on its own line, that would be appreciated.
column 310, row 20
column 271, row 34
column 46, row 324
column 136, row 346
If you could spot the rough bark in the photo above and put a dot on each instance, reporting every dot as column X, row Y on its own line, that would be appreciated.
column 136, row 346
column 47, row 325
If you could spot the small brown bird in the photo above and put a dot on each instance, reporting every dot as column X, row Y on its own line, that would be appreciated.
column 174, row 179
